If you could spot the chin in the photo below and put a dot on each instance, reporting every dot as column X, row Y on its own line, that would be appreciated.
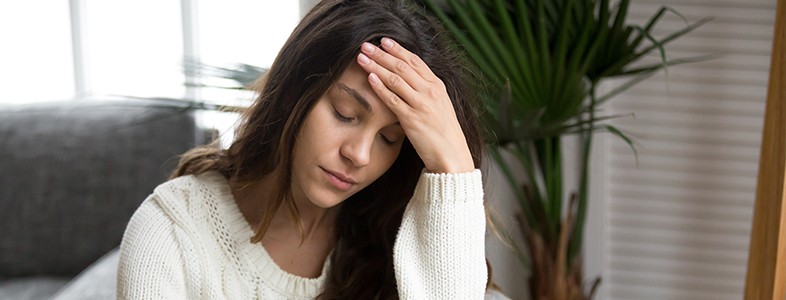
column 326, row 204
column 328, row 201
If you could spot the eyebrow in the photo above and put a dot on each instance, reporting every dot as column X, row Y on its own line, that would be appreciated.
column 355, row 95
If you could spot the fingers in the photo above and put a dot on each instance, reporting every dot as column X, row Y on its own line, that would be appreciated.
column 412, row 60
column 390, row 81
column 396, row 104
column 399, row 77
column 394, row 65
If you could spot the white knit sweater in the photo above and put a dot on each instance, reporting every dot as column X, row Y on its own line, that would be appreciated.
column 188, row 240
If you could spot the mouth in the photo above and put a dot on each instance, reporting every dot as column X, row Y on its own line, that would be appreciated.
column 338, row 180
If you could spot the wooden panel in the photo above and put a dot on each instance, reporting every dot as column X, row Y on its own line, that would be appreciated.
column 766, row 266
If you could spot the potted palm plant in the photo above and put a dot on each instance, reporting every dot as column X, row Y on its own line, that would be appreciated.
column 543, row 61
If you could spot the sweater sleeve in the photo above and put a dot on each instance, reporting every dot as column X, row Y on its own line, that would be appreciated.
column 440, row 247
column 151, row 264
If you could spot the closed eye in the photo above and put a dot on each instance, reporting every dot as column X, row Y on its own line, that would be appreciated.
column 386, row 140
column 341, row 117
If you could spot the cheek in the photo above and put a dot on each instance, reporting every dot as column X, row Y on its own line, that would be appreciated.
column 385, row 158
column 318, row 134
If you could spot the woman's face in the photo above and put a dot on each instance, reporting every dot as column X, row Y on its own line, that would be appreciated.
column 349, row 139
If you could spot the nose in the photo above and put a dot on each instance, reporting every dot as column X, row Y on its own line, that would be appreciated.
column 357, row 149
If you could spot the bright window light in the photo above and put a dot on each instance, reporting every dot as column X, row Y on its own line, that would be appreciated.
column 134, row 48
column 36, row 55
column 245, row 31
column 242, row 31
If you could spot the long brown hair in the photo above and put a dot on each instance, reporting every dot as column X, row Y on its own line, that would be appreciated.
column 320, row 48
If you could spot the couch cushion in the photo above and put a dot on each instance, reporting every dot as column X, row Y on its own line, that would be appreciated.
column 97, row 282
column 31, row 288
column 73, row 174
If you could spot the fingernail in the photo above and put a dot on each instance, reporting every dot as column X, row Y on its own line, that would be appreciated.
column 363, row 59
column 373, row 78
column 367, row 47
column 388, row 43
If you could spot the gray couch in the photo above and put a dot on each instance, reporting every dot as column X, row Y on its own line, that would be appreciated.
column 71, row 176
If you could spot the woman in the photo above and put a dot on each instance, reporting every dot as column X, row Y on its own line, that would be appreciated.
column 352, row 176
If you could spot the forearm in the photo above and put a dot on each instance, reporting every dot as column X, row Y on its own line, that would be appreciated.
column 440, row 251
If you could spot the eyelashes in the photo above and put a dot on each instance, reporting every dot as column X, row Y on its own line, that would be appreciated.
column 386, row 140
column 341, row 117
column 344, row 119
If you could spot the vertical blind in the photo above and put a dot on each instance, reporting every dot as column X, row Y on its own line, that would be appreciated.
column 678, row 217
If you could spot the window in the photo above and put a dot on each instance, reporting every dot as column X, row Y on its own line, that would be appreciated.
column 134, row 48
column 36, row 54
column 242, row 31
column 131, row 48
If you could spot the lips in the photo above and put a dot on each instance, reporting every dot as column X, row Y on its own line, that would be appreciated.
column 338, row 180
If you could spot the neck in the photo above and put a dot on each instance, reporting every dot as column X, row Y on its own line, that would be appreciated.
column 315, row 220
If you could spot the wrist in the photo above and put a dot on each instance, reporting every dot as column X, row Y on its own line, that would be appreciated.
column 452, row 166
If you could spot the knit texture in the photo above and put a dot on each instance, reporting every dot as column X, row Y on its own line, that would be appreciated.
column 439, row 251
column 188, row 240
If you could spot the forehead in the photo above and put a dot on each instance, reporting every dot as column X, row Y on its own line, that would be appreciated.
column 354, row 76
column 353, row 84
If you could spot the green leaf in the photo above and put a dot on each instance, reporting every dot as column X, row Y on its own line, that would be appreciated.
column 499, row 49
column 464, row 40
column 480, row 39
column 541, row 29
column 660, row 43
column 624, row 137
column 641, row 76
column 663, row 65
column 514, row 42
column 544, row 60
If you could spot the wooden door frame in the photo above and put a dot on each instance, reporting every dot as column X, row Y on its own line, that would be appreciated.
column 766, row 277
